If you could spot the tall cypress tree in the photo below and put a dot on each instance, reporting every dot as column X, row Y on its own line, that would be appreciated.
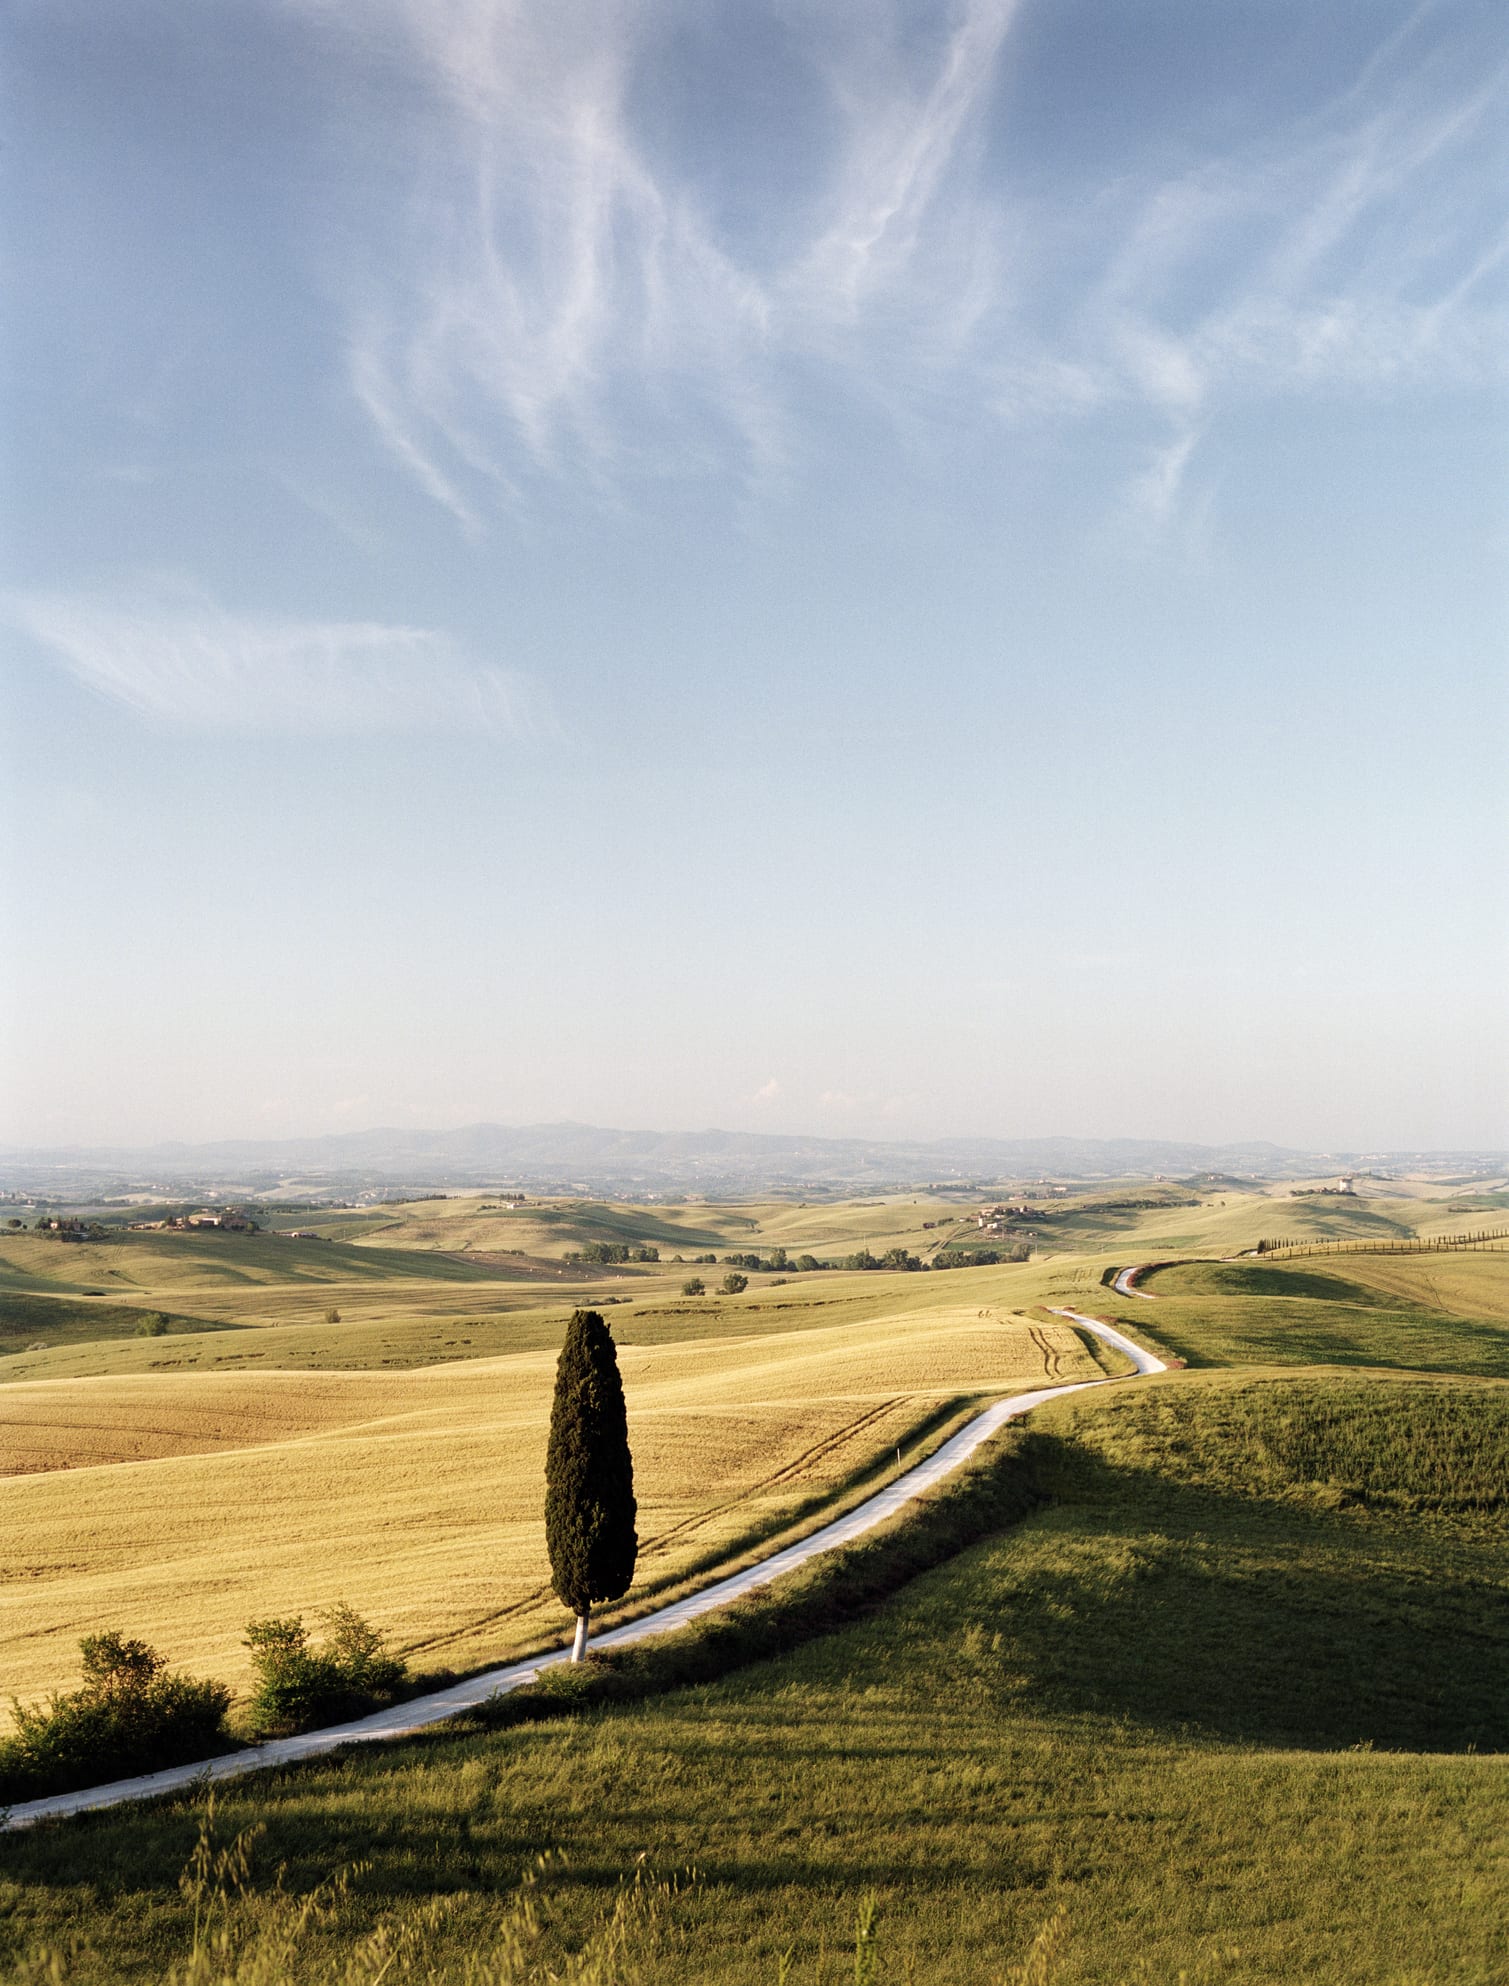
column 589, row 1475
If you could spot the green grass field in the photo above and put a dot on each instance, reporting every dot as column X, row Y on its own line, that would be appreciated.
column 1435, row 1313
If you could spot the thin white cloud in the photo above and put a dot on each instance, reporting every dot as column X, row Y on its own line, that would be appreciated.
column 543, row 269
column 184, row 662
column 903, row 133
column 1153, row 495
column 1341, row 259
column 1334, row 259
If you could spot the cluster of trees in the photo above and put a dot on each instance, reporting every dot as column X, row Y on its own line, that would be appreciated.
column 130, row 1715
column 1122, row 1206
column 776, row 1263
column 64, row 1227
column 894, row 1259
column 614, row 1251
column 980, row 1258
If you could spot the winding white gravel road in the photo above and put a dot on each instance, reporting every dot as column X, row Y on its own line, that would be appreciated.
column 421, row 1711
column 1125, row 1283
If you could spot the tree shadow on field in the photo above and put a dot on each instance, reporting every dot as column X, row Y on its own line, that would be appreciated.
column 1198, row 1612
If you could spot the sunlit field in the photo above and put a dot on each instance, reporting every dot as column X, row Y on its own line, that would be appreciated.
column 184, row 1504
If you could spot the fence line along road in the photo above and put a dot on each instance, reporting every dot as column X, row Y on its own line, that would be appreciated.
column 419, row 1713
column 1491, row 1239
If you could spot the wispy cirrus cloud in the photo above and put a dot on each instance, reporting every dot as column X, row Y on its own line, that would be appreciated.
column 176, row 658
column 563, row 294
column 547, row 274
column 1348, row 254
column 902, row 127
column 564, row 300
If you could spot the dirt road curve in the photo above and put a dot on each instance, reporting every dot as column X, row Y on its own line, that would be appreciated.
column 1126, row 1283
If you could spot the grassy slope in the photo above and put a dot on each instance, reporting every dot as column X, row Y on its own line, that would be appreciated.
column 696, row 1227
column 129, row 1264
column 1199, row 1712
column 1436, row 1313
column 415, row 1495
column 51, row 1321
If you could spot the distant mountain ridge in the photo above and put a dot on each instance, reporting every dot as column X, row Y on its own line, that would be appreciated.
column 595, row 1156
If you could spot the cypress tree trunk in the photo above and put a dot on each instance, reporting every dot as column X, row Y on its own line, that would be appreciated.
column 589, row 1476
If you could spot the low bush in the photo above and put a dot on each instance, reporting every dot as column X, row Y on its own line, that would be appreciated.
column 131, row 1716
column 300, row 1687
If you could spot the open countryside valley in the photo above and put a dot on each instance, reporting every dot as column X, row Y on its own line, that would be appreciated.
column 754, row 1126
column 1203, row 1674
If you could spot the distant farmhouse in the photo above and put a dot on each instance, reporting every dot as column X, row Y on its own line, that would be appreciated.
column 1344, row 1189
column 1000, row 1220
column 229, row 1220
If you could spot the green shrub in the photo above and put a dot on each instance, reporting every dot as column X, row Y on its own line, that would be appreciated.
column 152, row 1325
column 130, row 1716
column 300, row 1687
column 693, row 1286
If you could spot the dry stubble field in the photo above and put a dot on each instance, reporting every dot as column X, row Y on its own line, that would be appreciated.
column 178, row 1506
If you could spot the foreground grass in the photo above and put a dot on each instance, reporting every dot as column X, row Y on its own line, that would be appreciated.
column 1220, row 1718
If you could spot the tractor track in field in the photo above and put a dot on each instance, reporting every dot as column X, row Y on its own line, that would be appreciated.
column 406, row 1720
column 1053, row 1358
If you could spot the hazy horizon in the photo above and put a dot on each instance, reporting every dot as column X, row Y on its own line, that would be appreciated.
column 916, row 570
column 414, row 1136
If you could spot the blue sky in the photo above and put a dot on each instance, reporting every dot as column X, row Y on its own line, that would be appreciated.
column 864, row 569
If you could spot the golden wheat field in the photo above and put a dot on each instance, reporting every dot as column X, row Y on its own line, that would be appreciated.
column 179, row 1506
